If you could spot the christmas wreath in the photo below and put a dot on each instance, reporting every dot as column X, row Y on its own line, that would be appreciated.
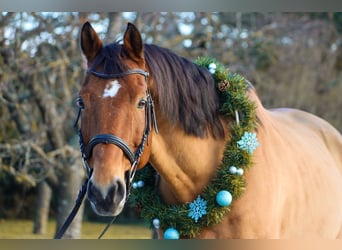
column 208, row 209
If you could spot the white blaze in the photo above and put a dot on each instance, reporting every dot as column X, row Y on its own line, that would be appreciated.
column 111, row 89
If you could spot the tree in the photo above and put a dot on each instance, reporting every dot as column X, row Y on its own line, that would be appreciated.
column 38, row 85
column 41, row 69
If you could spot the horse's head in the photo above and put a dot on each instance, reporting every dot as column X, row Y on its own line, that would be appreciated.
column 116, row 117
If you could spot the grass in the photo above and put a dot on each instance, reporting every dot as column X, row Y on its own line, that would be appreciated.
column 22, row 229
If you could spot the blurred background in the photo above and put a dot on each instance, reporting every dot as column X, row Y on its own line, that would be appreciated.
column 293, row 60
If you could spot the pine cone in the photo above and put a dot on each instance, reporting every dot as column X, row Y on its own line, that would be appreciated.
column 223, row 85
column 139, row 207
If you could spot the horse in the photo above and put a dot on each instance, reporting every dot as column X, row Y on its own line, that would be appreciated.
column 294, row 188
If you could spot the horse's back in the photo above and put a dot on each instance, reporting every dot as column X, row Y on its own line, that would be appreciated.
column 309, row 128
column 309, row 150
column 294, row 189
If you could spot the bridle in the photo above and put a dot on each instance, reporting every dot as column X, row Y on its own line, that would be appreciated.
column 133, row 157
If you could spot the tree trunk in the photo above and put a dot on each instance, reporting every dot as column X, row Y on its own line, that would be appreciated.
column 42, row 208
column 114, row 27
column 70, row 182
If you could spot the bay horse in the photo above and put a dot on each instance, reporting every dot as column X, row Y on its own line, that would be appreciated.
column 294, row 189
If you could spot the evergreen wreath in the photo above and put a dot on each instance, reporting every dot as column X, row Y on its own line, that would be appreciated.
column 208, row 209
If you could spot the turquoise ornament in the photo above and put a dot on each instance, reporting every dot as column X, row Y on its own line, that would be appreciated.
column 224, row 198
column 171, row 234
column 140, row 184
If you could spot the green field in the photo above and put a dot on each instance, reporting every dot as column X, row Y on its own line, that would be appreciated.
column 22, row 229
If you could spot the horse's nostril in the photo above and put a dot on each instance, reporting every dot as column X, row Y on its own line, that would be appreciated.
column 110, row 198
column 94, row 194
column 116, row 192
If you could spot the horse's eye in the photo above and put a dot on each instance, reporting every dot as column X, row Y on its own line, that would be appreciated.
column 141, row 104
column 80, row 103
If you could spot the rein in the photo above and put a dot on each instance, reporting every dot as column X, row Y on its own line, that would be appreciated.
column 133, row 157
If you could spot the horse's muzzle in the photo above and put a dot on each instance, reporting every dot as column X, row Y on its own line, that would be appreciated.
column 109, row 200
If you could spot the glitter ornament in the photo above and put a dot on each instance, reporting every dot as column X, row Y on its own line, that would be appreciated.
column 224, row 198
column 171, row 234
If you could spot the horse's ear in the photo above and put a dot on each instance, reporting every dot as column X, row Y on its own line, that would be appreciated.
column 90, row 41
column 132, row 43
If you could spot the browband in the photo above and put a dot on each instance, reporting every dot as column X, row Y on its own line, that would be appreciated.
column 119, row 75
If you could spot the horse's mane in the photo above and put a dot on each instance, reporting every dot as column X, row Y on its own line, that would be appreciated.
column 185, row 92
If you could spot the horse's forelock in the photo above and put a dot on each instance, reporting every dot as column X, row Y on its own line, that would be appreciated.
column 109, row 60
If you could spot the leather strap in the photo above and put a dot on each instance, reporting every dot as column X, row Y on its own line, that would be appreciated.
column 119, row 75
column 109, row 139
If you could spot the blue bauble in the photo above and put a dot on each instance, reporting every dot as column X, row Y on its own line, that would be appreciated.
column 140, row 184
column 224, row 198
column 171, row 234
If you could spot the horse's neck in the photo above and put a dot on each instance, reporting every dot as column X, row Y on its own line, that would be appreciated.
column 185, row 163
